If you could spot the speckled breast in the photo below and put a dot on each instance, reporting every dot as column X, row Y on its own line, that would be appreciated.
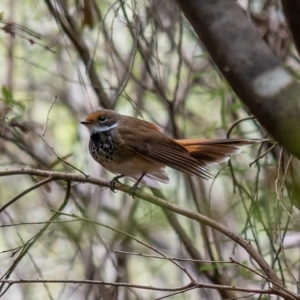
column 102, row 148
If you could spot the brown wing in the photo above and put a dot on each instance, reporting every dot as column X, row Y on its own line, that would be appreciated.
column 214, row 151
column 146, row 140
column 173, row 155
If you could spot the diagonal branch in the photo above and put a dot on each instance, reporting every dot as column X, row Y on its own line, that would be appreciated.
column 144, row 287
column 250, row 67
column 34, row 239
column 68, row 26
column 32, row 188
column 270, row 274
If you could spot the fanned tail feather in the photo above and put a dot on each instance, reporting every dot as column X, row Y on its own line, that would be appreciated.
column 215, row 151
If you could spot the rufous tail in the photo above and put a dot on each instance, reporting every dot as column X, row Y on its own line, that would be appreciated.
column 210, row 151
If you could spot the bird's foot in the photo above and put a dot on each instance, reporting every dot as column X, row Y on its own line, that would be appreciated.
column 135, row 186
column 113, row 182
column 133, row 189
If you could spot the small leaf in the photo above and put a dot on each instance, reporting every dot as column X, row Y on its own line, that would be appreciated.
column 7, row 95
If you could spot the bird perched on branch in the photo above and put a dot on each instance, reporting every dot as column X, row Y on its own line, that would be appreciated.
column 134, row 148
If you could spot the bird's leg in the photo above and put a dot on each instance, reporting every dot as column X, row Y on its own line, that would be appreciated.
column 113, row 181
column 135, row 186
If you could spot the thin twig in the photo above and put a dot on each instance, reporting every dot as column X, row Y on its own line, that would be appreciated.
column 270, row 273
column 130, row 236
column 62, row 160
column 36, row 223
column 48, row 114
column 236, row 123
column 177, row 293
column 261, row 275
column 172, row 258
column 32, row 188
column 34, row 239
column 144, row 287
column 263, row 155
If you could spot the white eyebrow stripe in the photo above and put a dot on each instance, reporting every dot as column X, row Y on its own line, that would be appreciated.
column 106, row 128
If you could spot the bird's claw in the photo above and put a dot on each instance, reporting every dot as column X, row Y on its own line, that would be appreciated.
column 113, row 182
column 133, row 190
column 112, row 185
column 135, row 186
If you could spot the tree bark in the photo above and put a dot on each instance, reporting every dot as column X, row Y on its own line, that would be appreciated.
column 291, row 10
column 248, row 64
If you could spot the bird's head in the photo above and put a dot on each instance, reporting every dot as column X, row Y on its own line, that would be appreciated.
column 101, row 121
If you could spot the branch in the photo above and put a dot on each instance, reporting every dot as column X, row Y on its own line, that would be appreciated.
column 250, row 67
column 32, row 188
column 137, row 286
column 291, row 10
column 68, row 177
column 33, row 240
column 68, row 26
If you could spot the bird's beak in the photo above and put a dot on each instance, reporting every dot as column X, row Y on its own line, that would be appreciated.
column 85, row 123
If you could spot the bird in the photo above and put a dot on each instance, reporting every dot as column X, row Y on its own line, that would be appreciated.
column 137, row 149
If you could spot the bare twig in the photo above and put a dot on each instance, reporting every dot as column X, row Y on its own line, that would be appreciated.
column 270, row 274
column 132, row 237
column 137, row 286
column 262, row 155
column 32, row 188
column 236, row 123
column 30, row 243
column 60, row 159
column 52, row 103
column 172, row 258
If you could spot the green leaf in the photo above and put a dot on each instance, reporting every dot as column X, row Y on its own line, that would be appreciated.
column 7, row 95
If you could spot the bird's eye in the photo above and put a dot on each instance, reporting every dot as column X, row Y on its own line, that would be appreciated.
column 102, row 119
